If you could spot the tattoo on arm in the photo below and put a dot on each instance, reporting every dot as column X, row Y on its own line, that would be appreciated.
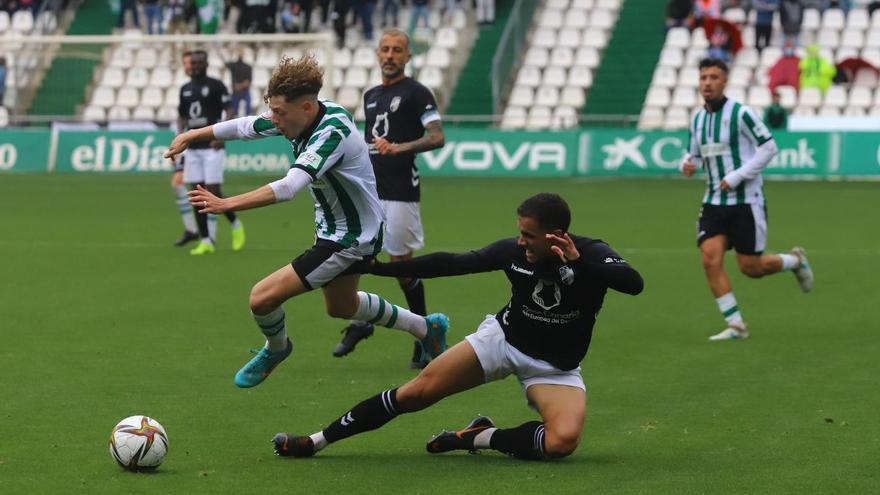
column 432, row 139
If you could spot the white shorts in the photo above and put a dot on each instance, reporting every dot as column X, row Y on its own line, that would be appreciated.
column 203, row 166
column 499, row 359
column 403, row 228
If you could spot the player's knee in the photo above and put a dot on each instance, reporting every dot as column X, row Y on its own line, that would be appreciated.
column 561, row 442
column 752, row 270
column 261, row 302
column 711, row 262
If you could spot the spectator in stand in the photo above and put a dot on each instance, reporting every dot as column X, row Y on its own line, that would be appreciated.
column 776, row 116
column 873, row 6
column 325, row 12
column 178, row 18
column 791, row 15
column 720, row 44
column 290, row 22
column 706, row 9
column 391, row 7
column 486, row 11
column 153, row 13
column 678, row 13
column 125, row 6
column 363, row 10
column 2, row 80
column 765, row 10
column 419, row 11
column 241, row 74
column 816, row 72
column 258, row 16
column 340, row 12
column 305, row 8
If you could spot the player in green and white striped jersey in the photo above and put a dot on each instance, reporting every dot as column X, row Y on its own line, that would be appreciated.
column 732, row 146
column 332, row 160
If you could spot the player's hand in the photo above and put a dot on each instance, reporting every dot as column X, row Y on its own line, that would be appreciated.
column 689, row 168
column 725, row 186
column 178, row 145
column 384, row 147
column 217, row 144
column 206, row 201
column 563, row 247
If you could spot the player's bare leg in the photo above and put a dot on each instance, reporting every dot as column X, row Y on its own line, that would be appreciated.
column 712, row 250
column 757, row 266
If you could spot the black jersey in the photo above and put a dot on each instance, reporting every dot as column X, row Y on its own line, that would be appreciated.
column 553, row 306
column 398, row 113
column 201, row 104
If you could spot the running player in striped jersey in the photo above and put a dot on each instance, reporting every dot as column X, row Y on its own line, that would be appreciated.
column 331, row 158
column 732, row 146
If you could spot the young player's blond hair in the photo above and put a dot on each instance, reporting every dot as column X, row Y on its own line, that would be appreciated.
column 294, row 78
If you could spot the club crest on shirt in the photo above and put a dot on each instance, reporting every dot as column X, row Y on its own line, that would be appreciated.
column 205, row 91
column 395, row 104
column 566, row 274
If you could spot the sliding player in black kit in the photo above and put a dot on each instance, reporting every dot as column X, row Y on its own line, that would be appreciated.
column 558, row 283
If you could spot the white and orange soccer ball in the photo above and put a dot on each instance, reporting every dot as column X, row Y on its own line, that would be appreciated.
column 139, row 443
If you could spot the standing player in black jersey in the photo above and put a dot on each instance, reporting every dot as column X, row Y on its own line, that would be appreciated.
column 402, row 120
column 203, row 100
column 558, row 282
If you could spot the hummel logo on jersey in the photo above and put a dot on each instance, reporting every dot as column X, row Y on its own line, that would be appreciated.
column 611, row 259
column 347, row 419
column 623, row 150
column 371, row 104
column 187, row 93
column 521, row 270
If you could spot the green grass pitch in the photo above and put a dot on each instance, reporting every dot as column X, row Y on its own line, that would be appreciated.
column 101, row 318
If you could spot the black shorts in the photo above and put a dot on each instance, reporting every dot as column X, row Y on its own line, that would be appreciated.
column 327, row 260
column 745, row 226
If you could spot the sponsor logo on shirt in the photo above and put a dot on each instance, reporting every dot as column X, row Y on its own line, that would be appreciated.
column 521, row 270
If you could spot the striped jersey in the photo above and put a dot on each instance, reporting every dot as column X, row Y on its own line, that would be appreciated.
column 724, row 141
column 333, row 153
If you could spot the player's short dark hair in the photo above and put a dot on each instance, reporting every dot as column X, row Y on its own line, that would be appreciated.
column 294, row 78
column 548, row 209
column 198, row 53
column 714, row 62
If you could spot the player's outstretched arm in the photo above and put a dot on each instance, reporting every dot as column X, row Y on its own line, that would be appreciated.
column 275, row 192
column 443, row 264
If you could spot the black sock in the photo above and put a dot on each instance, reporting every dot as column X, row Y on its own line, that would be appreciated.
column 414, row 291
column 368, row 415
column 526, row 441
column 201, row 218
column 215, row 190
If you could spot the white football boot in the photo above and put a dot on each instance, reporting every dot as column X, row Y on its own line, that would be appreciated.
column 803, row 272
column 732, row 332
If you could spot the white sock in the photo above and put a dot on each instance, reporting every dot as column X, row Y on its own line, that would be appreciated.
column 212, row 226
column 236, row 224
column 374, row 309
column 483, row 438
column 729, row 309
column 319, row 440
column 185, row 209
column 790, row 262
column 272, row 326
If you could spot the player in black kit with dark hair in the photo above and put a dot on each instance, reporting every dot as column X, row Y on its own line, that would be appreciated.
column 401, row 120
column 558, row 282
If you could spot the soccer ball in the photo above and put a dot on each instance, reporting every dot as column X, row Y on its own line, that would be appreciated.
column 138, row 443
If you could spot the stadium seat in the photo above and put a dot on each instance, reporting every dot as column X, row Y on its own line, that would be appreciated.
column 137, row 77
column 828, row 38
column 355, row 77
column 860, row 97
column 539, row 118
column 554, row 77
column 602, row 19
column 769, row 56
column 166, row 114
column 595, row 38
column 650, row 118
column 438, row 57
column 547, row 96
column 698, row 39
column 678, row 37
column 664, row 77
column 812, row 20
column 103, row 97
column 537, row 57
column 740, row 76
column 872, row 55
column 431, row 77
column 112, row 77
column 162, row 77
column 693, row 56
column 557, row 4
column 872, row 40
column 152, row 97
column 260, row 77
column 146, row 57
column 676, row 118
column 671, row 57
column 180, row 77
column 735, row 15
column 529, row 77
column 446, row 38
column 551, row 18
column 611, row 5
column 23, row 21
column 583, row 4
column 172, row 97
column 46, row 22
column 522, row 97
column 846, row 52
column 835, row 97
column 572, row 96
column 875, row 19
column 364, row 56
column 580, row 77
column 564, row 117
column 833, row 19
column 736, row 93
column 118, row 113
column 684, row 97
column 750, row 58
column 375, row 77
column 658, row 97
column 576, row 18
column 94, row 114
column 267, row 58
column 828, row 112
column 143, row 113
column 759, row 96
column 562, row 57
column 804, row 111
column 127, row 97
column 854, row 112
column 586, row 57
column 544, row 38
column 787, row 96
column 349, row 97
column 514, row 118
column 857, row 18
column 4, row 21
column 689, row 77
column 810, row 98
column 867, row 78
column 342, row 57
column 569, row 38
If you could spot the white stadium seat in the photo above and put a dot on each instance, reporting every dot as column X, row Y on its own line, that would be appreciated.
column 523, row 97
column 846, row 52
column 572, row 96
column 539, row 118
column 873, row 38
column 172, row 97
column 860, row 96
column 810, row 98
column 127, row 97
column 564, row 117
column 657, row 97
column 152, row 97
column 103, row 97
column 577, row 18
column 854, row 111
column 569, row 38
column 551, row 18
column 581, row 77
column 678, row 37
column 514, row 118
column 828, row 38
column 740, row 76
column 342, row 57
column 23, row 21
column 364, row 56
column 166, row 114
column 602, row 19
column 698, row 39
column 595, row 38
column 689, row 77
column 544, row 38
column 583, row 4
column 143, row 113
column 146, row 57
column 562, row 57
column 735, row 15
column 811, row 20
column 804, row 111
column 557, row 4
column 833, row 19
column 4, row 21
column 547, row 96
column 94, row 114
column 162, row 77
column 529, row 76
column 759, row 96
column 769, row 56
column 857, row 18
column 349, row 97
column 611, row 5
column 431, row 77
column 446, row 38
column 664, row 77
column 112, row 77
column 355, row 77
column 586, row 57
column 676, row 118
column 537, row 57
column 875, row 19
column 554, row 77
column 438, row 57
column 866, row 78
column 835, row 97
column 118, row 113
column 828, row 112
column 684, row 97
column 671, row 57
column 137, row 77
column 651, row 118
column 787, row 96
column 749, row 57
